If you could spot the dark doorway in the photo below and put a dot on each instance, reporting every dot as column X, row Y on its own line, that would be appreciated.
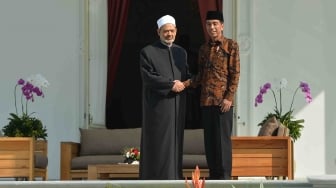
column 140, row 31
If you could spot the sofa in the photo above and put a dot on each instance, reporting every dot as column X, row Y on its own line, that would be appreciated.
column 252, row 156
column 105, row 146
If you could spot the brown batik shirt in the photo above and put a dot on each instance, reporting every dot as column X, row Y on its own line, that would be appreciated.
column 219, row 70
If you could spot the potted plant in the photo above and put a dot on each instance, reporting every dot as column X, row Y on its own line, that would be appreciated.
column 286, row 118
column 132, row 155
column 24, row 124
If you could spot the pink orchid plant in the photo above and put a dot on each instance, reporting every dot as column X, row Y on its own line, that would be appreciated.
column 286, row 118
column 23, row 124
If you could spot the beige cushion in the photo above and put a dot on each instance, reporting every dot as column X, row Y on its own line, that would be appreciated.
column 108, row 141
column 269, row 128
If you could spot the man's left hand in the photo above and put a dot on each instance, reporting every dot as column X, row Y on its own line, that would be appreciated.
column 225, row 105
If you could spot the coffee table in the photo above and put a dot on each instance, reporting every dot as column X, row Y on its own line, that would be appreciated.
column 116, row 171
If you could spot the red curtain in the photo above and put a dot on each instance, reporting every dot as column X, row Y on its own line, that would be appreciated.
column 117, row 18
column 206, row 5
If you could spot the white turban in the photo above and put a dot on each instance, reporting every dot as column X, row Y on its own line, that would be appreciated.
column 164, row 20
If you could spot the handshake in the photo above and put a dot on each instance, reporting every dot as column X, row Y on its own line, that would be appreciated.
column 178, row 86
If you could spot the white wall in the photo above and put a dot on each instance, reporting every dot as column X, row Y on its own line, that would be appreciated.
column 39, row 36
column 292, row 39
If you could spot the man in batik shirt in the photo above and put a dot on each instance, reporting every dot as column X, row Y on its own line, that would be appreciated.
column 218, row 75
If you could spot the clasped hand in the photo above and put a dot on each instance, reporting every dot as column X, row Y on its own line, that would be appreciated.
column 178, row 86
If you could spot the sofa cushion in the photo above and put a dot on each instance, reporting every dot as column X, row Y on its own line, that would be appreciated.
column 40, row 160
column 191, row 161
column 82, row 162
column 193, row 141
column 108, row 141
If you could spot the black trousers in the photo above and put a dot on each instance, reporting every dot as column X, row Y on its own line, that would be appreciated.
column 217, row 139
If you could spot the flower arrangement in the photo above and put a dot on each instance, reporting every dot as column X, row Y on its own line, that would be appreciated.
column 132, row 155
column 196, row 181
column 24, row 124
column 286, row 118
